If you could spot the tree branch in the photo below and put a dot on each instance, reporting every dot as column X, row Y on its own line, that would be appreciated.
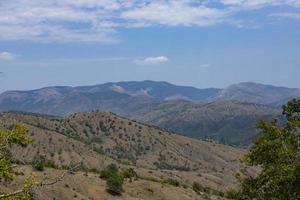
column 56, row 180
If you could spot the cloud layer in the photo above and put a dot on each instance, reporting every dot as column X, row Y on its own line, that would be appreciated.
column 6, row 56
column 99, row 20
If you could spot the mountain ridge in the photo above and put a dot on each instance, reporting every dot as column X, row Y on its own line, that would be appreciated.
column 162, row 90
column 186, row 110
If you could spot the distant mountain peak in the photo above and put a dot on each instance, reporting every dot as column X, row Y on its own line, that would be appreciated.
column 258, row 93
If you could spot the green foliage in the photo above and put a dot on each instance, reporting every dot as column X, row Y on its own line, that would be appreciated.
column 173, row 182
column 277, row 152
column 109, row 171
column 197, row 187
column 24, row 194
column 129, row 173
column 103, row 127
column 114, row 178
column 18, row 135
column 114, row 184
column 40, row 162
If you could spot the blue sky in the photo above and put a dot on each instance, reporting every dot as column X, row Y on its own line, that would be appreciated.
column 203, row 43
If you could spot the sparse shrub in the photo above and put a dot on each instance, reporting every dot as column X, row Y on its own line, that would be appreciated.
column 129, row 173
column 38, row 163
column 150, row 190
column 102, row 127
column 173, row 182
column 98, row 150
column 197, row 187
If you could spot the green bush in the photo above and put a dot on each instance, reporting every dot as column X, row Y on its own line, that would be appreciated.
column 109, row 171
column 40, row 162
column 173, row 182
column 197, row 187
column 129, row 173
column 114, row 184
column 114, row 178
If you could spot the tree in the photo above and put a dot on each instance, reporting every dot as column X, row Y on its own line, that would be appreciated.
column 18, row 135
column 114, row 178
column 114, row 184
column 277, row 153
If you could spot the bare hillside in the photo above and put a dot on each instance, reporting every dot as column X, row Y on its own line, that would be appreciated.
column 97, row 139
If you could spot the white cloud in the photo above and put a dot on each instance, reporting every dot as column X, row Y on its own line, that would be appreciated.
column 258, row 3
column 175, row 13
column 57, row 21
column 295, row 16
column 6, row 56
column 100, row 20
column 152, row 60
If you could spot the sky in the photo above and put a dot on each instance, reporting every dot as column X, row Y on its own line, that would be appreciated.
column 201, row 43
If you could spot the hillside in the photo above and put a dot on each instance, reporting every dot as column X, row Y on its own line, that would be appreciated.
column 88, row 185
column 226, row 121
column 97, row 139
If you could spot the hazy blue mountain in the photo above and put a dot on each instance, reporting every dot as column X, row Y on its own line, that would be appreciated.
column 167, row 91
column 106, row 97
column 229, row 115
column 258, row 93
column 229, row 122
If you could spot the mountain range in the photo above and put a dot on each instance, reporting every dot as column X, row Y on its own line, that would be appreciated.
column 228, row 115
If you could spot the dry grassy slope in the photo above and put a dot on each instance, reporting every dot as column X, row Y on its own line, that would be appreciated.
column 97, row 139
column 88, row 186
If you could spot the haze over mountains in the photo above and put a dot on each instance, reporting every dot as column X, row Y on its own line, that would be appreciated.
column 228, row 115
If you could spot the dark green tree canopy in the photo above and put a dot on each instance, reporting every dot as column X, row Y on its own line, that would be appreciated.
column 277, row 153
